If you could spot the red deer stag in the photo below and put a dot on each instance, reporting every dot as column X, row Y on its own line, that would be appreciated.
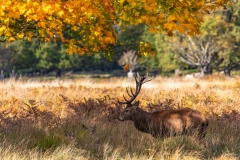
column 165, row 122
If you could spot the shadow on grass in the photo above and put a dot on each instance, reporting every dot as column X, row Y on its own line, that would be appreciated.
column 45, row 130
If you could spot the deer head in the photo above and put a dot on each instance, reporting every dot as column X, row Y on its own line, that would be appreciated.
column 132, row 107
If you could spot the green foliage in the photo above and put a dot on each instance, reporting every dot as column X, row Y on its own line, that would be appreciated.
column 24, row 54
column 6, row 61
column 163, row 60
column 231, row 34
column 27, row 56
column 47, row 142
column 48, row 55
column 131, row 37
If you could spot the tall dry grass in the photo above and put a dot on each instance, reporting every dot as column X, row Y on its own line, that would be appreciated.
column 43, row 119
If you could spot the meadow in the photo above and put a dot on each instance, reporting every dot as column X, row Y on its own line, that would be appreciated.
column 55, row 119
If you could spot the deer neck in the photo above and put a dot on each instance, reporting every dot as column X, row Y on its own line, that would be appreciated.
column 141, row 120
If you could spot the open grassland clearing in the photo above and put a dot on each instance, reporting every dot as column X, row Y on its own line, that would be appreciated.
column 43, row 119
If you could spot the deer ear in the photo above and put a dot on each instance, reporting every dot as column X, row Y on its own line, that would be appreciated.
column 136, row 104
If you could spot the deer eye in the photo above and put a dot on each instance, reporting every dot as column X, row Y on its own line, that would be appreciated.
column 127, row 111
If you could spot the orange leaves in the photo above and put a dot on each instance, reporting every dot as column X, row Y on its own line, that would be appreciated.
column 41, row 25
column 95, row 20
column 126, row 67
column 51, row 17
column 170, row 26
column 145, row 49
column 11, row 39
column 181, row 29
column 184, row 16
column 108, row 7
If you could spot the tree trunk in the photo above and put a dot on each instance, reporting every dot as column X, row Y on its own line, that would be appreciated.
column 58, row 73
column 227, row 71
column 206, row 70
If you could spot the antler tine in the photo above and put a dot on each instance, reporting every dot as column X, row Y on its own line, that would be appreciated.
column 125, row 99
column 124, row 102
column 129, row 93
column 146, row 79
column 137, row 78
column 121, row 102
column 139, row 81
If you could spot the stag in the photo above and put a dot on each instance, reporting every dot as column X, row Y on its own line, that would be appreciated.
column 162, row 123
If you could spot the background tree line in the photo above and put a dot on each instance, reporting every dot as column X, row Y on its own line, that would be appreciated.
column 217, row 48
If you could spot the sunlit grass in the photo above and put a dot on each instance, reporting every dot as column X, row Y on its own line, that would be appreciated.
column 36, row 115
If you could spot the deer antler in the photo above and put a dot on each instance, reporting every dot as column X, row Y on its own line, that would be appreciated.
column 139, row 81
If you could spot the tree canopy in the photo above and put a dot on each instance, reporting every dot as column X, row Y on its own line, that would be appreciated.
column 93, row 25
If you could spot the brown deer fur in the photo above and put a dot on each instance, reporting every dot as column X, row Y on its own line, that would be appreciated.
column 162, row 123
column 166, row 122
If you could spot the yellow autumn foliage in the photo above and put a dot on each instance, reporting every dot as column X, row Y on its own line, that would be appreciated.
column 94, row 21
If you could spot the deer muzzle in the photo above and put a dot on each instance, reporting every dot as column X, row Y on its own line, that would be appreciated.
column 121, row 118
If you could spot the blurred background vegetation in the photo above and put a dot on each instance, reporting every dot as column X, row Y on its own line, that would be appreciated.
column 217, row 49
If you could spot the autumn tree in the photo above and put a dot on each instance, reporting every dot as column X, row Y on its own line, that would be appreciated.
column 96, row 22
column 198, row 53
column 205, row 50
column 221, row 31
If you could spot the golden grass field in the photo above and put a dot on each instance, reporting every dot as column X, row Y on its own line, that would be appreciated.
column 43, row 119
